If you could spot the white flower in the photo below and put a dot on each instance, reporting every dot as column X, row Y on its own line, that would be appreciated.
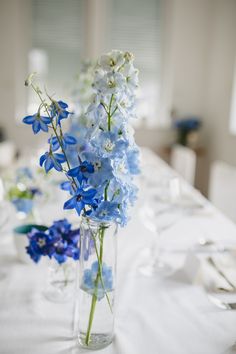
column 126, row 105
column 131, row 76
column 110, row 83
column 112, row 61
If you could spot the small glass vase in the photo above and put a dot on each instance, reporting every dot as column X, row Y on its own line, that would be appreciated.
column 96, row 288
column 60, row 281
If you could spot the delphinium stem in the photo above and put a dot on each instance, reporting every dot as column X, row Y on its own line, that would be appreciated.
column 94, row 297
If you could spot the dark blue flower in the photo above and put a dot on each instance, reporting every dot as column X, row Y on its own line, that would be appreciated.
column 41, row 244
column 188, row 124
column 38, row 122
column 59, row 241
column 65, row 141
column 59, row 110
column 52, row 160
column 79, row 171
column 80, row 199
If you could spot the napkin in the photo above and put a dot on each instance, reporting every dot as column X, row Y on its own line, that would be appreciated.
column 199, row 271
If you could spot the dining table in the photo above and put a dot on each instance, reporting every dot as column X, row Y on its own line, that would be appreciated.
column 154, row 314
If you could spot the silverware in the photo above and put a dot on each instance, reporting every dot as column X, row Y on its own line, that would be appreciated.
column 222, row 304
column 219, row 271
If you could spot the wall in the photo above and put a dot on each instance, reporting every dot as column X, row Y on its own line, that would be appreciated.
column 222, row 52
column 14, row 41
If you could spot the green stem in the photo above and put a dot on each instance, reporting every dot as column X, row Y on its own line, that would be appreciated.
column 94, row 297
column 106, row 190
column 109, row 115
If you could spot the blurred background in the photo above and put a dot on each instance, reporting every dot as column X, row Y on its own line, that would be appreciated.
column 185, row 51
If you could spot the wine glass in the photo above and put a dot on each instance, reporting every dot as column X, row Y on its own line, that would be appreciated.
column 157, row 222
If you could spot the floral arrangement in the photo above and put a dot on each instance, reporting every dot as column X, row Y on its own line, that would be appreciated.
column 99, row 167
column 58, row 241
column 186, row 126
column 23, row 191
column 100, row 181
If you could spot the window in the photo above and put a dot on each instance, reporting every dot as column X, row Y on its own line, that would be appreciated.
column 135, row 25
column 57, row 43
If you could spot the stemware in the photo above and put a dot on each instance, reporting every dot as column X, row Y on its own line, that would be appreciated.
column 157, row 224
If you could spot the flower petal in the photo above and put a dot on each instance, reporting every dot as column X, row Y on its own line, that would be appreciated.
column 29, row 119
column 70, row 203
column 48, row 164
column 62, row 104
column 36, row 126
column 69, row 139
column 90, row 193
column 43, row 126
column 42, row 159
column 73, row 172
column 79, row 206
column 46, row 120
column 59, row 157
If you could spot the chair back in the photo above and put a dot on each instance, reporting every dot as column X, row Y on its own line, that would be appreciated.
column 222, row 188
column 183, row 160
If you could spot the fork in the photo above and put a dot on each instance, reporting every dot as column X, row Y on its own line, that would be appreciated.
column 222, row 304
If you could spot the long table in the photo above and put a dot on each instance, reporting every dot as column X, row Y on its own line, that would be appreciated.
column 154, row 315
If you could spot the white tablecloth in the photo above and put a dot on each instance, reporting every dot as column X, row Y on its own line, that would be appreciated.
column 153, row 315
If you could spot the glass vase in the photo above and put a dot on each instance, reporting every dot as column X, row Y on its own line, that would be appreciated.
column 60, row 281
column 96, row 288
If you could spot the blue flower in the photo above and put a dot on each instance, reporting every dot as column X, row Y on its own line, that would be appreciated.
column 52, row 160
column 80, row 199
column 106, row 211
column 79, row 171
column 23, row 173
column 24, row 205
column 58, row 110
column 59, row 241
column 133, row 161
column 89, row 279
column 188, row 124
column 41, row 244
column 102, row 170
column 108, row 144
column 67, row 186
column 65, row 140
column 38, row 122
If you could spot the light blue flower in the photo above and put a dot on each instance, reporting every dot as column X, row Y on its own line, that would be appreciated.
column 23, row 205
column 90, row 278
column 106, row 211
column 108, row 144
column 102, row 170
column 133, row 161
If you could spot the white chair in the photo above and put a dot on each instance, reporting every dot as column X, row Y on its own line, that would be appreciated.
column 222, row 188
column 183, row 160
column 7, row 153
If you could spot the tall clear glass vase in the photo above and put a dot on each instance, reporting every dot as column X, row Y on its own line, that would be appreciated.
column 97, row 283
